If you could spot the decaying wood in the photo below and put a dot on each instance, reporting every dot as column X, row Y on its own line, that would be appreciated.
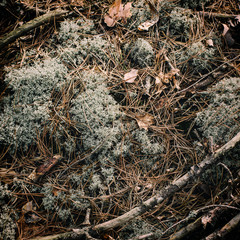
column 226, row 229
column 209, row 218
column 25, row 28
column 165, row 193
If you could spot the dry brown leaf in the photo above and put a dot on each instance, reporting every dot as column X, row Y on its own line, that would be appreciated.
column 117, row 12
column 209, row 42
column 28, row 207
column 109, row 21
column 155, row 18
column 160, row 85
column 228, row 36
column 176, row 83
column 166, row 78
column 44, row 168
column 145, row 121
column 131, row 76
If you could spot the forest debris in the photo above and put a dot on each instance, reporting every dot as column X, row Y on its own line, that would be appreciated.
column 7, row 175
column 162, row 79
column 44, row 168
column 131, row 76
column 231, row 32
column 169, row 190
column 25, row 28
column 209, row 42
column 226, row 229
column 117, row 12
column 28, row 207
column 158, row 198
column 145, row 121
column 155, row 18
column 29, row 215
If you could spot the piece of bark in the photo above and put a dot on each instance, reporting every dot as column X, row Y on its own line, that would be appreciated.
column 25, row 28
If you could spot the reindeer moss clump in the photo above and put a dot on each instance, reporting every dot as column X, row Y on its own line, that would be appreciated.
column 181, row 23
column 7, row 220
column 27, row 109
column 140, row 52
column 74, row 46
column 220, row 121
column 196, row 57
column 138, row 227
column 194, row 3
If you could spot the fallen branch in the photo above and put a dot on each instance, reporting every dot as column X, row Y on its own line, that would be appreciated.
column 25, row 28
column 168, row 191
column 226, row 229
column 217, row 15
column 165, row 193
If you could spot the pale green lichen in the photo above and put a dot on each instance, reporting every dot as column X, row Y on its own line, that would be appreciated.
column 194, row 3
column 7, row 219
column 140, row 52
column 220, row 120
column 196, row 58
column 27, row 109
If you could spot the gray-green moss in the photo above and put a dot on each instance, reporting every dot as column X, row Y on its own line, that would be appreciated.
column 140, row 52
column 220, row 120
column 182, row 23
column 8, row 225
column 219, row 123
column 140, row 14
column 137, row 228
column 195, row 58
column 27, row 109
column 194, row 3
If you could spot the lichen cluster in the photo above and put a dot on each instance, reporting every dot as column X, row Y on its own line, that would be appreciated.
column 78, row 113
column 7, row 220
column 140, row 53
column 220, row 120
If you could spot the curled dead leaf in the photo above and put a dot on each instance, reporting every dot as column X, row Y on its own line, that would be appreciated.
column 145, row 121
column 117, row 12
column 206, row 220
column 28, row 207
column 44, row 168
column 131, row 76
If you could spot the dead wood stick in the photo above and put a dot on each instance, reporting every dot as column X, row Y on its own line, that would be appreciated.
column 36, row 22
column 229, row 227
column 168, row 191
column 217, row 15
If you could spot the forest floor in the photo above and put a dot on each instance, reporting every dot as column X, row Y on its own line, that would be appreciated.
column 107, row 110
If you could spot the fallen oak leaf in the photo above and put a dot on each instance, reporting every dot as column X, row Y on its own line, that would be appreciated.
column 131, row 76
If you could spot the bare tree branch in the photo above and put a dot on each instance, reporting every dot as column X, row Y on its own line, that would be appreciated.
column 168, row 191
column 36, row 22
